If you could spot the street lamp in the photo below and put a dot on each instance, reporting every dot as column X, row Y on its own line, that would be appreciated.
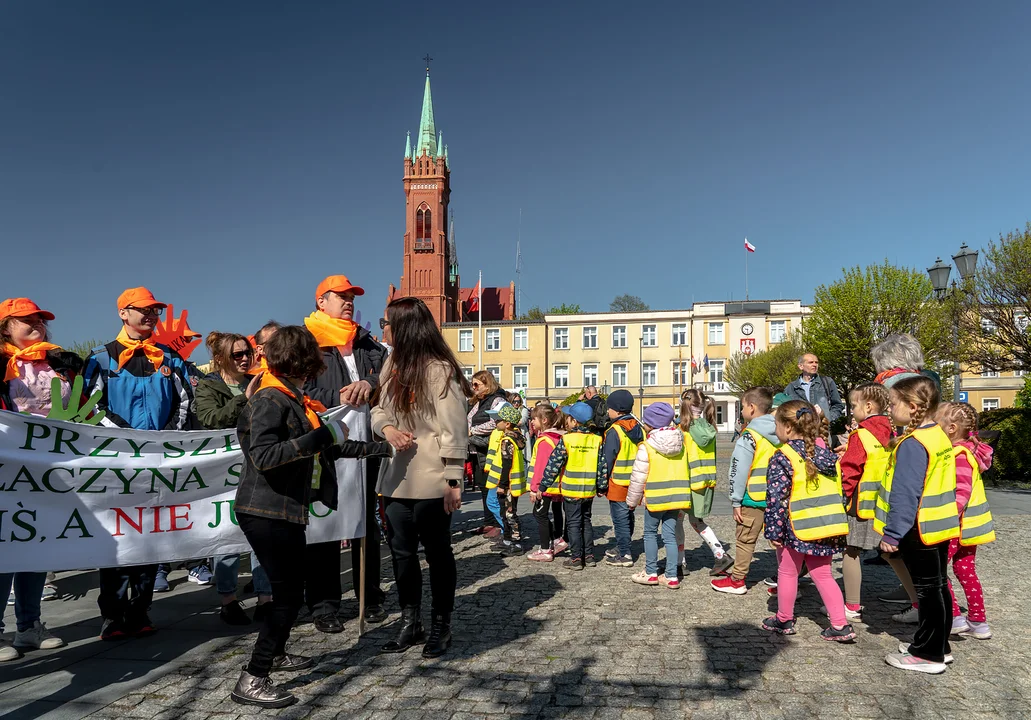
column 605, row 389
column 966, row 263
column 640, row 364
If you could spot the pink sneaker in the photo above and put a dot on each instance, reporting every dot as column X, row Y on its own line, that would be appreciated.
column 558, row 546
column 541, row 555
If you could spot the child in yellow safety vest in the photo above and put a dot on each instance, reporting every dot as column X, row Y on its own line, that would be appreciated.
column 622, row 437
column 506, row 475
column 548, row 425
column 916, row 513
column 698, row 423
column 973, row 457
column 805, row 518
column 661, row 479
column 863, row 466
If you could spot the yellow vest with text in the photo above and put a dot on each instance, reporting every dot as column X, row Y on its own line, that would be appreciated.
column 580, row 476
column 701, row 462
column 937, row 517
column 874, row 472
column 493, row 458
column 764, row 452
column 555, row 489
column 516, row 474
column 668, row 486
column 624, row 459
column 976, row 525
column 816, row 508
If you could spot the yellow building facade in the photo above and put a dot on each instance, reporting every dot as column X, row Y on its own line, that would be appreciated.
column 654, row 354
column 991, row 390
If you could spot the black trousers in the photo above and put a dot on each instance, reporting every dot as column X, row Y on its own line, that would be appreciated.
column 126, row 592
column 279, row 546
column 410, row 522
column 578, row 527
column 547, row 529
column 928, row 566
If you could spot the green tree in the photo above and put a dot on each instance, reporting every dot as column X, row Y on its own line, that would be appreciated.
column 83, row 349
column 536, row 314
column 866, row 305
column 628, row 303
column 996, row 307
column 775, row 367
column 1023, row 399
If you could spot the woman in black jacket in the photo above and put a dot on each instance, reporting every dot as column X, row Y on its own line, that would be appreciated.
column 487, row 395
column 287, row 450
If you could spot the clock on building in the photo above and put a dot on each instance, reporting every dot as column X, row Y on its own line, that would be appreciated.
column 747, row 329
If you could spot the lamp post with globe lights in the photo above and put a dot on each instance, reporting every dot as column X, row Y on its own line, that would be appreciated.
column 966, row 263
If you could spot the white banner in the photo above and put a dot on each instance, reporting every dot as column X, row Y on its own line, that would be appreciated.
column 75, row 496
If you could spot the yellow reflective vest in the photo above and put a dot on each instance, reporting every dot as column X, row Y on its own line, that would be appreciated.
column 580, row 476
column 937, row 517
column 555, row 489
column 624, row 459
column 701, row 462
column 976, row 525
column 516, row 474
column 874, row 471
column 493, row 458
column 816, row 508
column 764, row 452
column 668, row 485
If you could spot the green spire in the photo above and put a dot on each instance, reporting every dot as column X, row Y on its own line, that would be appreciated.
column 408, row 145
column 440, row 144
column 427, row 131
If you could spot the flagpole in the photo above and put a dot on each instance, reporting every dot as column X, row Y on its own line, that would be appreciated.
column 479, row 320
column 746, row 271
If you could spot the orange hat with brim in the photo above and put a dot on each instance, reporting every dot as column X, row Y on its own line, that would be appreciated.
column 337, row 284
column 138, row 297
column 22, row 307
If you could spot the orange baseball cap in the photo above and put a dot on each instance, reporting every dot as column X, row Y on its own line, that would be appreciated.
column 138, row 297
column 337, row 284
column 22, row 307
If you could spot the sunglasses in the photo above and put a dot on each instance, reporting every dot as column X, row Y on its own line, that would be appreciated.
column 383, row 322
column 148, row 311
column 241, row 355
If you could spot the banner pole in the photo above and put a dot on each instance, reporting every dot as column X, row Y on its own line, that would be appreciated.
column 361, row 586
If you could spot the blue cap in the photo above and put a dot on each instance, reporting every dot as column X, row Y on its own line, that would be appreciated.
column 499, row 408
column 579, row 411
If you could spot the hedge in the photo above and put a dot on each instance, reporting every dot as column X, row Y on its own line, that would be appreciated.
column 1011, row 462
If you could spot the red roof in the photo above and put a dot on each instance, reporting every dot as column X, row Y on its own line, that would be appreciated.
column 497, row 303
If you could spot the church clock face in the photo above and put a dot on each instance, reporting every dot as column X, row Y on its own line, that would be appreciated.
column 747, row 329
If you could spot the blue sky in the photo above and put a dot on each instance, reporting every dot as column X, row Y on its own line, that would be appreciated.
column 229, row 155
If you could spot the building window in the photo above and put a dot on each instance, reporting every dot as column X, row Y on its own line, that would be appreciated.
column 680, row 372
column 719, row 413
column 619, row 375
column 716, row 334
column 988, row 327
column 465, row 341
column 493, row 342
column 650, row 374
column 679, row 336
column 561, row 376
column 423, row 230
column 990, row 404
column 590, row 338
column 619, row 336
column 590, row 375
column 520, row 377
column 715, row 371
column 778, row 331
column 521, row 339
column 468, row 373
column 495, row 370
column 649, row 338
column 562, row 338
column 990, row 374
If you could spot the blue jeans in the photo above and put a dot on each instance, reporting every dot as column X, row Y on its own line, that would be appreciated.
column 28, row 595
column 622, row 525
column 668, row 519
column 494, row 505
column 227, row 570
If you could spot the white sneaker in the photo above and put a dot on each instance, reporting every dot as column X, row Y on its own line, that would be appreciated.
column 978, row 630
column 905, row 661
column 904, row 648
column 7, row 652
column 960, row 625
column 37, row 638
column 850, row 615
column 910, row 616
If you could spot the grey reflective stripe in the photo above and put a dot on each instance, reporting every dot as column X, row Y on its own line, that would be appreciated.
column 932, row 526
column 624, row 463
column 820, row 521
column 652, row 501
column 758, row 472
column 815, row 502
column 973, row 532
column 975, row 510
column 934, row 501
column 580, row 475
column 654, row 482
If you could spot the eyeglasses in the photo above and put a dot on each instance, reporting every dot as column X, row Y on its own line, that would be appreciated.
column 476, row 384
column 148, row 311
column 383, row 322
column 241, row 355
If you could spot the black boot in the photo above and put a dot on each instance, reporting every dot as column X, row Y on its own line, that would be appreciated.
column 254, row 690
column 411, row 632
column 440, row 636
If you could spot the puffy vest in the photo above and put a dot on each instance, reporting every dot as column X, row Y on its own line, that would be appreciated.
column 516, row 474
column 764, row 452
column 976, row 526
column 555, row 489
column 624, row 459
column 702, row 463
column 937, row 517
column 816, row 512
column 580, row 477
column 668, row 486
column 493, row 458
column 874, row 472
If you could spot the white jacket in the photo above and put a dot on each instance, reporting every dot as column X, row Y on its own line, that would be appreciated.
column 668, row 441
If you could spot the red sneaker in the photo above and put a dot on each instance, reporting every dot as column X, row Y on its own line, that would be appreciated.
column 729, row 585
column 771, row 591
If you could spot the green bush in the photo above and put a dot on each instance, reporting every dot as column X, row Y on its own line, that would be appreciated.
column 1011, row 462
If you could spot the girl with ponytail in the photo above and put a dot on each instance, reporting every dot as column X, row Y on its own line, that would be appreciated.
column 805, row 518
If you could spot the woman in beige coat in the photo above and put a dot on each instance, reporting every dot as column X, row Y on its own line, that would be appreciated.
column 420, row 409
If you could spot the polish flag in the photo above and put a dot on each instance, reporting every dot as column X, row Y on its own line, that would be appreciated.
column 749, row 246
column 474, row 299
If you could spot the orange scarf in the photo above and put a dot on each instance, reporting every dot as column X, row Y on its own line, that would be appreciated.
column 261, row 367
column 32, row 353
column 312, row 408
column 331, row 332
column 155, row 354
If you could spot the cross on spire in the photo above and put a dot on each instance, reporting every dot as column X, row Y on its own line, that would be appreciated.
column 428, row 60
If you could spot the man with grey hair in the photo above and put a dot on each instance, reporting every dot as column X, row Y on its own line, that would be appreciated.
column 817, row 390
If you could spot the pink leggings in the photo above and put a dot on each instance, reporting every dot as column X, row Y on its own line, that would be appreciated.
column 789, row 566
column 962, row 557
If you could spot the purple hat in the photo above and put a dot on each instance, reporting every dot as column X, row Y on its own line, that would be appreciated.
column 658, row 415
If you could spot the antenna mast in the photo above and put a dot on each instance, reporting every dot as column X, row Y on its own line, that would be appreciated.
column 519, row 265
